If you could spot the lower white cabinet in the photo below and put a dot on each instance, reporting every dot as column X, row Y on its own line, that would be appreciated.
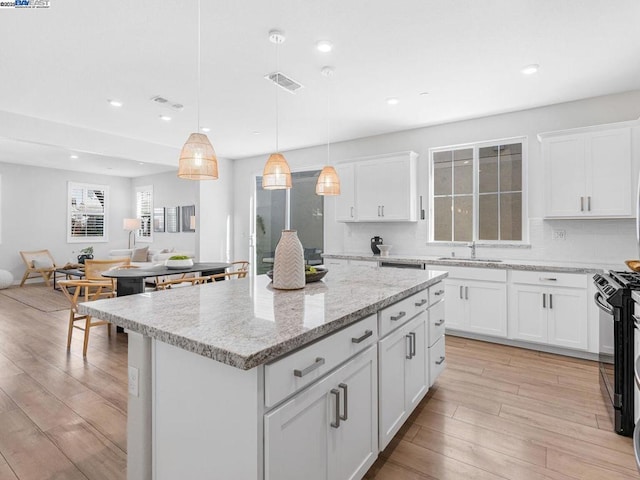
column 476, row 306
column 551, row 315
column 404, row 375
column 436, row 357
column 328, row 431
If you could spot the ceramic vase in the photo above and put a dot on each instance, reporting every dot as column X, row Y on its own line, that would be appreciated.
column 288, row 267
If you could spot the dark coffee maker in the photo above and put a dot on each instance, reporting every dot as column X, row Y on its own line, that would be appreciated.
column 375, row 241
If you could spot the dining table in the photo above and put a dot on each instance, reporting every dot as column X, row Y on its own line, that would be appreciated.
column 130, row 281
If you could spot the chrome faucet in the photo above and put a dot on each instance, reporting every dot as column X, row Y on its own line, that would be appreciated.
column 472, row 246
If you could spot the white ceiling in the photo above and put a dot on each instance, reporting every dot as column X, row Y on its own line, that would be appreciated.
column 61, row 64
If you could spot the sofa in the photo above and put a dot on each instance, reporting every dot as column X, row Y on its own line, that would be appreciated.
column 145, row 257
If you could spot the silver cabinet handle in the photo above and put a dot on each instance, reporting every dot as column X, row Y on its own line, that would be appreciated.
column 317, row 364
column 582, row 204
column 461, row 292
column 413, row 344
column 466, row 293
column 378, row 210
column 438, row 293
column 421, row 302
column 544, row 300
column 408, row 355
column 548, row 279
column 367, row 334
column 551, row 300
column 398, row 316
column 636, row 445
column 383, row 210
column 336, row 422
column 439, row 322
column 351, row 212
column 344, row 387
column 589, row 203
column 439, row 361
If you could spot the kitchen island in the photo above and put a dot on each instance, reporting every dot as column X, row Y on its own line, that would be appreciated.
column 218, row 372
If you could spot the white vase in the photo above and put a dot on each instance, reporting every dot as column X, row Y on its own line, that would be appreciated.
column 288, row 268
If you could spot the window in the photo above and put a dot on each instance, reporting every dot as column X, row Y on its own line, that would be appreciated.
column 144, row 211
column 87, row 218
column 477, row 192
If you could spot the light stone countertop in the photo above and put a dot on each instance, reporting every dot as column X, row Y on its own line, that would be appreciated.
column 245, row 323
column 506, row 264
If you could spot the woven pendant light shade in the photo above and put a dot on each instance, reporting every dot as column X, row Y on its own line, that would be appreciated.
column 198, row 159
column 276, row 174
column 328, row 182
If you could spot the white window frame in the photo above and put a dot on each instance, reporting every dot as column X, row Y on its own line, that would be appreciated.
column 476, row 146
column 140, row 236
column 85, row 187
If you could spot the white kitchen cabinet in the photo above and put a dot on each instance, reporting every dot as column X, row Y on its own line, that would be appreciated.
column 328, row 431
column 435, row 336
column 378, row 189
column 477, row 306
column 589, row 172
column 346, row 201
column 403, row 375
column 549, row 308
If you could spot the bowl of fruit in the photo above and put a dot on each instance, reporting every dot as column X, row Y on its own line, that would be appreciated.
column 311, row 274
column 179, row 261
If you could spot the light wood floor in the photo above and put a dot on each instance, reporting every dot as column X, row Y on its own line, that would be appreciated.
column 496, row 412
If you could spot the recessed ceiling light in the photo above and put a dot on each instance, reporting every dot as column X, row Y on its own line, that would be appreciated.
column 205, row 129
column 256, row 132
column 73, row 157
column 140, row 163
column 115, row 103
column 324, row 46
column 530, row 69
column 166, row 118
column 392, row 101
column 422, row 94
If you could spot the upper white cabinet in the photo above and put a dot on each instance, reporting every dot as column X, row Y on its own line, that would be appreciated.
column 589, row 172
column 378, row 189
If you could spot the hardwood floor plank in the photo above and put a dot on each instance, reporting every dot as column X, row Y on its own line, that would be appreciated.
column 29, row 453
column 481, row 379
column 453, row 395
column 583, row 469
column 543, row 364
column 5, row 471
column 388, row 470
column 588, row 401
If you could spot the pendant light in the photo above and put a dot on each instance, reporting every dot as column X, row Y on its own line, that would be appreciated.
column 328, row 181
column 197, row 158
column 276, row 174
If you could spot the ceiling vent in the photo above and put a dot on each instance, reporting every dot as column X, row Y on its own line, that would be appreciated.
column 287, row 83
column 165, row 102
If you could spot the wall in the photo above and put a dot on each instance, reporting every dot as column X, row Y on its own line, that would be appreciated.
column 585, row 239
column 34, row 213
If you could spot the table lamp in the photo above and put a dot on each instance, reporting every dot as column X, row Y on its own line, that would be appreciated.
column 131, row 224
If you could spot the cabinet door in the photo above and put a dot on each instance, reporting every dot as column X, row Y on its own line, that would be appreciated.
column 565, row 176
column 417, row 368
column 527, row 317
column 567, row 317
column 371, row 179
column 454, row 306
column 346, row 201
column 486, row 307
column 353, row 446
column 296, row 435
column 609, row 186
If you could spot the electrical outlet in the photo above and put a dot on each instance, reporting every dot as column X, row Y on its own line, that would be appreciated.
column 133, row 381
column 559, row 235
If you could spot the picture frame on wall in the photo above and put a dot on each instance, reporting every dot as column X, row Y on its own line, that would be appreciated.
column 158, row 219
column 188, row 218
column 172, row 219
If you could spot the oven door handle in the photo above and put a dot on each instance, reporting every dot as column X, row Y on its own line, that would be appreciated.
column 636, row 444
column 602, row 306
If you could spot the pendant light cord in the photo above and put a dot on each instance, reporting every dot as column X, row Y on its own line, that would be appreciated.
column 199, row 55
column 328, row 117
column 276, row 86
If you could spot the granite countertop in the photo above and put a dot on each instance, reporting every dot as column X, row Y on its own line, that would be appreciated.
column 506, row 264
column 246, row 323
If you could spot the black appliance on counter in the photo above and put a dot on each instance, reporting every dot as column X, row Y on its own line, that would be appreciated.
column 613, row 298
column 375, row 241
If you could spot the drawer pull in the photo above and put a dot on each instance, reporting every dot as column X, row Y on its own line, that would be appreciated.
column 317, row 364
column 421, row 302
column 344, row 387
column 399, row 316
column 438, row 293
column 336, row 422
column 439, row 322
column 548, row 279
column 413, row 344
column 439, row 362
column 407, row 354
column 367, row 334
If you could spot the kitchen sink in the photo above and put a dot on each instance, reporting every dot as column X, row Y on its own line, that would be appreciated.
column 469, row 259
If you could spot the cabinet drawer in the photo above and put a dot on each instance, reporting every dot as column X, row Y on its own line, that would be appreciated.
column 397, row 314
column 297, row 370
column 436, row 293
column 437, row 360
column 436, row 322
column 470, row 273
column 552, row 279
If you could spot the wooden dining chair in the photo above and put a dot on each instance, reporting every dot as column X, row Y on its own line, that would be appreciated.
column 38, row 263
column 190, row 281
column 93, row 270
column 78, row 291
